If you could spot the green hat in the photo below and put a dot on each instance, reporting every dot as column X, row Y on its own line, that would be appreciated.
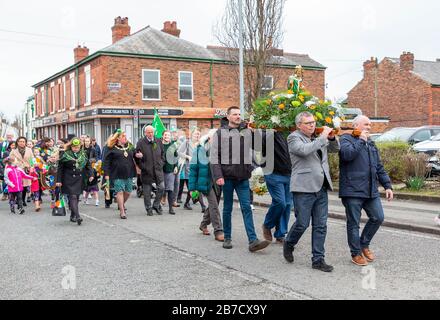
column 76, row 142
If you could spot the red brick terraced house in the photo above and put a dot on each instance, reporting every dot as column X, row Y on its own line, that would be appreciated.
column 120, row 85
column 405, row 90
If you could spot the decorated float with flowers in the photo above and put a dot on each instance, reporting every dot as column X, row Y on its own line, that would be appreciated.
column 279, row 110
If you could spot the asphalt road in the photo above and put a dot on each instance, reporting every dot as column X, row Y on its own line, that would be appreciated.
column 167, row 257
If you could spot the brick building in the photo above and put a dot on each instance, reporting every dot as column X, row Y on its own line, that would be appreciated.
column 403, row 89
column 120, row 85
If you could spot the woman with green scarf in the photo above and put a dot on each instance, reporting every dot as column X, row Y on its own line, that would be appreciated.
column 71, row 168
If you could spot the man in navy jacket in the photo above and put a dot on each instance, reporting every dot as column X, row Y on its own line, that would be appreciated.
column 360, row 171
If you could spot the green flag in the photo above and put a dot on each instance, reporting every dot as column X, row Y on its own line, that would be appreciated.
column 158, row 126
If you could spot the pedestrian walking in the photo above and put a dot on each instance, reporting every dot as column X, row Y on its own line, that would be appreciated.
column 310, row 183
column 360, row 171
column 201, row 180
column 119, row 167
column 23, row 157
column 277, row 170
column 186, row 151
column 169, row 169
column 14, row 177
column 232, row 171
column 150, row 158
column 71, row 169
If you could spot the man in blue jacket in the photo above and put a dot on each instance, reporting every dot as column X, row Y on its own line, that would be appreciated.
column 360, row 171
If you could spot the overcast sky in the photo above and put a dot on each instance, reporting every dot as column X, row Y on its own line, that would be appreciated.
column 37, row 37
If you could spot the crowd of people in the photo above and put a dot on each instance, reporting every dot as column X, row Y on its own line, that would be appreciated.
column 212, row 164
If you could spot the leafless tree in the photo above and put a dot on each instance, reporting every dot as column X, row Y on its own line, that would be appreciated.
column 263, row 33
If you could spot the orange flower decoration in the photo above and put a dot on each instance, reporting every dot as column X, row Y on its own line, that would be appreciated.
column 290, row 92
column 332, row 113
column 301, row 98
column 282, row 106
column 269, row 102
column 328, row 120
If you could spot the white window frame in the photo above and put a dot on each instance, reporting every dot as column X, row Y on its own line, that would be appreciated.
column 88, row 86
column 43, row 102
column 186, row 86
column 150, row 84
column 72, row 91
column 64, row 94
column 266, row 76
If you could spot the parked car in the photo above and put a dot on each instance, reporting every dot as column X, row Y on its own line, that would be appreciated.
column 410, row 135
column 431, row 146
column 375, row 136
column 434, row 163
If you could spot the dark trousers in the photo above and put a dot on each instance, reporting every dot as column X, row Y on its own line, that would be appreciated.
column 311, row 206
column 147, row 195
column 181, row 185
column 73, row 205
column 353, row 210
column 16, row 198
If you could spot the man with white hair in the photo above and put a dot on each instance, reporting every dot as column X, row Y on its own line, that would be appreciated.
column 150, row 157
column 360, row 170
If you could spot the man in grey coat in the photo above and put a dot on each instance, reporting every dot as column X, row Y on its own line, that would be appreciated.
column 309, row 184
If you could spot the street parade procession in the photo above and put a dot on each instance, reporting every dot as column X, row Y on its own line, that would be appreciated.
column 281, row 150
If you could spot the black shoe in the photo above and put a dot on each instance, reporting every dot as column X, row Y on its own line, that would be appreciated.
column 79, row 221
column 159, row 211
column 123, row 217
column 73, row 219
column 288, row 252
column 107, row 206
column 203, row 209
column 24, row 204
column 322, row 266
column 21, row 211
column 172, row 212
column 13, row 210
column 179, row 201
column 227, row 244
column 187, row 206
column 150, row 212
column 29, row 200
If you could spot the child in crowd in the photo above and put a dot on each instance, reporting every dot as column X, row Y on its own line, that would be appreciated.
column 14, row 179
column 92, row 186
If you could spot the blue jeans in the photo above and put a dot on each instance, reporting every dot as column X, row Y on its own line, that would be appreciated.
column 242, row 189
column 311, row 206
column 278, row 215
column 353, row 210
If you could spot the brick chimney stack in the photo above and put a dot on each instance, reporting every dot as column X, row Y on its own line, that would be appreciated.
column 121, row 29
column 370, row 65
column 407, row 61
column 80, row 53
column 171, row 28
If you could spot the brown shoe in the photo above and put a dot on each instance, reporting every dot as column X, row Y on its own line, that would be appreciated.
column 368, row 255
column 205, row 231
column 280, row 241
column 258, row 245
column 220, row 237
column 359, row 261
column 176, row 205
column 267, row 233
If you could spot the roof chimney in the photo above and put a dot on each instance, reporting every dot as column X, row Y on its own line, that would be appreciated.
column 80, row 53
column 171, row 28
column 370, row 65
column 121, row 29
column 407, row 61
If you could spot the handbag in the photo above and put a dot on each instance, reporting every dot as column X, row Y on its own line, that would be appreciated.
column 59, row 209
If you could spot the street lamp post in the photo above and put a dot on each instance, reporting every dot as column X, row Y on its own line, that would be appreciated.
column 241, row 58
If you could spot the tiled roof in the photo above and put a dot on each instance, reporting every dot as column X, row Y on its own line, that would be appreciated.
column 291, row 59
column 427, row 70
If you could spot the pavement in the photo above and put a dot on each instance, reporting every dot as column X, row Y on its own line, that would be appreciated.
column 167, row 258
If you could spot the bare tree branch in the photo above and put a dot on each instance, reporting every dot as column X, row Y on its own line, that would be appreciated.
column 263, row 33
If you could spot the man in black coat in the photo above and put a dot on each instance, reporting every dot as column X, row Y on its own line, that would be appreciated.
column 360, row 170
column 150, row 157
